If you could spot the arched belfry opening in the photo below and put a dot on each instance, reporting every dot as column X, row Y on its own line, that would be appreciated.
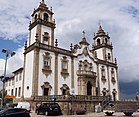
column 45, row 16
column 98, row 41
column 89, row 88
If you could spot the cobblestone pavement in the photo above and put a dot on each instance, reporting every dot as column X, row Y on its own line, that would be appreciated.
column 117, row 114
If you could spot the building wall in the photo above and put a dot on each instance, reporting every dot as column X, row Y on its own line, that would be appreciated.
column 28, row 74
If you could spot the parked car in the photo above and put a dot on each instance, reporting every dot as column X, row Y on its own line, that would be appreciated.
column 49, row 109
column 14, row 112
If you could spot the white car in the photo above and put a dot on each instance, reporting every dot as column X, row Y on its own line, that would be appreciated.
column 25, row 105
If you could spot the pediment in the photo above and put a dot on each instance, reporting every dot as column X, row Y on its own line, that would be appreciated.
column 84, row 51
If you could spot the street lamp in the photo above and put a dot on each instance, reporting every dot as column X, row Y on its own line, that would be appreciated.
column 7, row 53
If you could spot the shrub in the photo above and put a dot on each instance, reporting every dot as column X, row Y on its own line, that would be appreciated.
column 80, row 111
column 128, row 112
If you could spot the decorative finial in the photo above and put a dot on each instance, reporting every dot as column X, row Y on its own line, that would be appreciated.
column 56, row 43
column 25, row 44
column 115, row 61
column 51, row 9
column 71, row 46
column 83, row 34
column 106, row 57
column 54, row 21
column 36, row 37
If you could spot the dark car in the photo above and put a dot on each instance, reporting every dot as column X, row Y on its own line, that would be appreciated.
column 14, row 112
column 49, row 109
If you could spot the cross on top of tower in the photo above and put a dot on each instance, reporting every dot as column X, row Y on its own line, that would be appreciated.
column 83, row 34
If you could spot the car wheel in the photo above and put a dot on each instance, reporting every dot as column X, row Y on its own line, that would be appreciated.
column 46, row 113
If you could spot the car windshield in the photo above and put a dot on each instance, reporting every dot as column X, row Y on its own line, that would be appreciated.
column 54, row 105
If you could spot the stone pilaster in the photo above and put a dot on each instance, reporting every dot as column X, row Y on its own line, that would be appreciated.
column 52, row 35
column 72, row 73
column 108, row 78
column 98, row 78
column 56, row 74
column 35, row 72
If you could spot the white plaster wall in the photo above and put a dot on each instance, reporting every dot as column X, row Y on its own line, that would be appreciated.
column 42, row 77
column 114, row 86
column 109, row 51
column 61, row 79
column 28, row 74
column 33, row 34
column 45, row 29
column 103, row 85
column 99, row 53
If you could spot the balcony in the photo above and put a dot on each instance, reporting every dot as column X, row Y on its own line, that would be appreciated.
column 86, row 73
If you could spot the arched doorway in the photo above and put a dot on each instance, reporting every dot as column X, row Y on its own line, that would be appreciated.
column 45, row 91
column 89, row 88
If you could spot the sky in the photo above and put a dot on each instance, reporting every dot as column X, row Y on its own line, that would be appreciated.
column 120, row 18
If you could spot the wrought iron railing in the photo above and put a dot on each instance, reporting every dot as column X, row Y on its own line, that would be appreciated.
column 106, row 101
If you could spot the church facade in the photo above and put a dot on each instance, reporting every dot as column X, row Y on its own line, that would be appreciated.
column 51, row 70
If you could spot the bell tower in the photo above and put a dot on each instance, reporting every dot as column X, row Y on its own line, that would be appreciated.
column 103, row 46
column 42, row 25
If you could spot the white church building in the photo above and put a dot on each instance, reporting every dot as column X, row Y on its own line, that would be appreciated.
column 51, row 70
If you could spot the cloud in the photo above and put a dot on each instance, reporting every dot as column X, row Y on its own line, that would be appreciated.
column 13, row 63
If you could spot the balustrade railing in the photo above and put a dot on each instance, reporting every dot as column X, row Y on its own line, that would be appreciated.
column 69, row 98
column 87, row 73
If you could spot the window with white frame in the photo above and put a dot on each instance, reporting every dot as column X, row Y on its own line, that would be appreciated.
column 103, row 71
column 46, row 37
column 20, row 75
column 64, row 64
column 47, row 61
column 19, row 91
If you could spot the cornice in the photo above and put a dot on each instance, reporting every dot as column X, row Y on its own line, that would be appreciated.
column 48, row 48
column 98, row 61
column 101, row 46
column 42, row 22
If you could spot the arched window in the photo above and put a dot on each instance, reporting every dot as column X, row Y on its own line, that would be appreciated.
column 106, row 40
column 45, row 16
column 35, row 16
column 98, row 41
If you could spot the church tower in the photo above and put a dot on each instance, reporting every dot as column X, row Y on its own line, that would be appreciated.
column 103, row 46
column 41, row 38
column 42, row 25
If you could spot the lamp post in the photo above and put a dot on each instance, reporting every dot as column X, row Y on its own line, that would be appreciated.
column 7, row 53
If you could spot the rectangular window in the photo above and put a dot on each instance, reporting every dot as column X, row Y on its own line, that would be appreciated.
column 9, row 82
column 12, row 92
column 12, row 81
column 20, row 75
column 19, row 91
column 15, row 91
column 16, row 78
